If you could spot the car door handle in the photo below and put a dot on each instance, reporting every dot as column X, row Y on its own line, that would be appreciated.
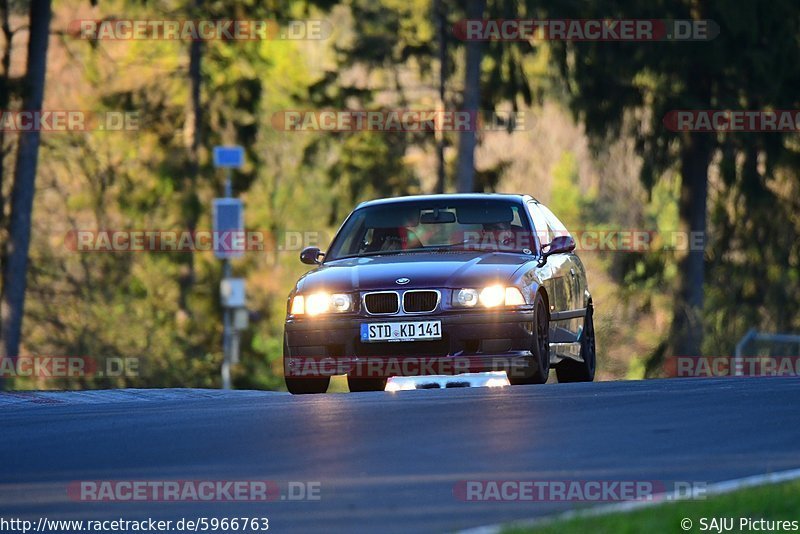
column 572, row 273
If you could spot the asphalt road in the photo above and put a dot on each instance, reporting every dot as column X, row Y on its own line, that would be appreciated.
column 388, row 462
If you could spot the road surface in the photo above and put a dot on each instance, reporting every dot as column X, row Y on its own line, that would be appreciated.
column 388, row 462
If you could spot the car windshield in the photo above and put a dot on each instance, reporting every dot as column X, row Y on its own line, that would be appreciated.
column 433, row 225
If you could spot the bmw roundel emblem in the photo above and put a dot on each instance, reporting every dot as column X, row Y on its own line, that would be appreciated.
column 402, row 281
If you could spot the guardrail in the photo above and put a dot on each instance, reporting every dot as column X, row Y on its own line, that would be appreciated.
column 753, row 335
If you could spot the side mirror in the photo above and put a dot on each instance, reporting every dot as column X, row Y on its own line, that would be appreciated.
column 559, row 245
column 311, row 256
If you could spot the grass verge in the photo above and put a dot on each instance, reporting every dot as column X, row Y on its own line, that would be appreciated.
column 773, row 503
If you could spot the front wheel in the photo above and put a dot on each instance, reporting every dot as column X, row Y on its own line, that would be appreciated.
column 539, row 368
column 301, row 385
column 572, row 371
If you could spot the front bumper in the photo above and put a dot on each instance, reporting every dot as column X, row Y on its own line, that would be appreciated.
column 474, row 341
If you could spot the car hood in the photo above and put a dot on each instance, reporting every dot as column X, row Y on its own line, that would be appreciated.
column 445, row 270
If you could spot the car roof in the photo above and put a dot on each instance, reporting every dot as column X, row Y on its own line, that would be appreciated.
column 447, row 196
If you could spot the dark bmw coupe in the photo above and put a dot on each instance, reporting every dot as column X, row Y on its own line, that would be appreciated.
column 441, row 284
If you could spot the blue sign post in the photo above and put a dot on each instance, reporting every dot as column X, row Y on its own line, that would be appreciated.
column 228, row 220
column 227, row 215
column 228, row 157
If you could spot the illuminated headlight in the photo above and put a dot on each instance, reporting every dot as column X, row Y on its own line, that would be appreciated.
column 318, row 303
column 492, row 296
column 488, row 297
column 514, row 297
column 298, row 305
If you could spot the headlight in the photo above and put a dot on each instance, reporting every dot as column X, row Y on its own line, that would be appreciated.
column 341, row 302
column 298, row 305
column 318, row 303
column 488, row 297
column 514, row 297
column 465, row 297
column 492, row 296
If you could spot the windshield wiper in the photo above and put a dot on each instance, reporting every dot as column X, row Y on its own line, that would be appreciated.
column 450, row 245
column 376, row 253
column 466, row 246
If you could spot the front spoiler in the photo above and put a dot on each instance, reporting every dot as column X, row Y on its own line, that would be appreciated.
column 330, row 346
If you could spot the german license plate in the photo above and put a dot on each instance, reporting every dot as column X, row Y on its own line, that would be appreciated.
column 405, row 331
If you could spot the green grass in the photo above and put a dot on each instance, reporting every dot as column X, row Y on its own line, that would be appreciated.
column 779, row 502
column 338, row 384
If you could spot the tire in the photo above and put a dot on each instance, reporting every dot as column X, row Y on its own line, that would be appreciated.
column 539, row 368
column 366, row 384
column 306, row 386
column 572, row 371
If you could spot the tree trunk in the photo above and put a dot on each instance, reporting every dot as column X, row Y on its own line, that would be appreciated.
column 5, row 97
column 686, row 333
column 16, row 266
column 192, row 138
column 441, row 20
column 5, row 62
column 472, row 96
